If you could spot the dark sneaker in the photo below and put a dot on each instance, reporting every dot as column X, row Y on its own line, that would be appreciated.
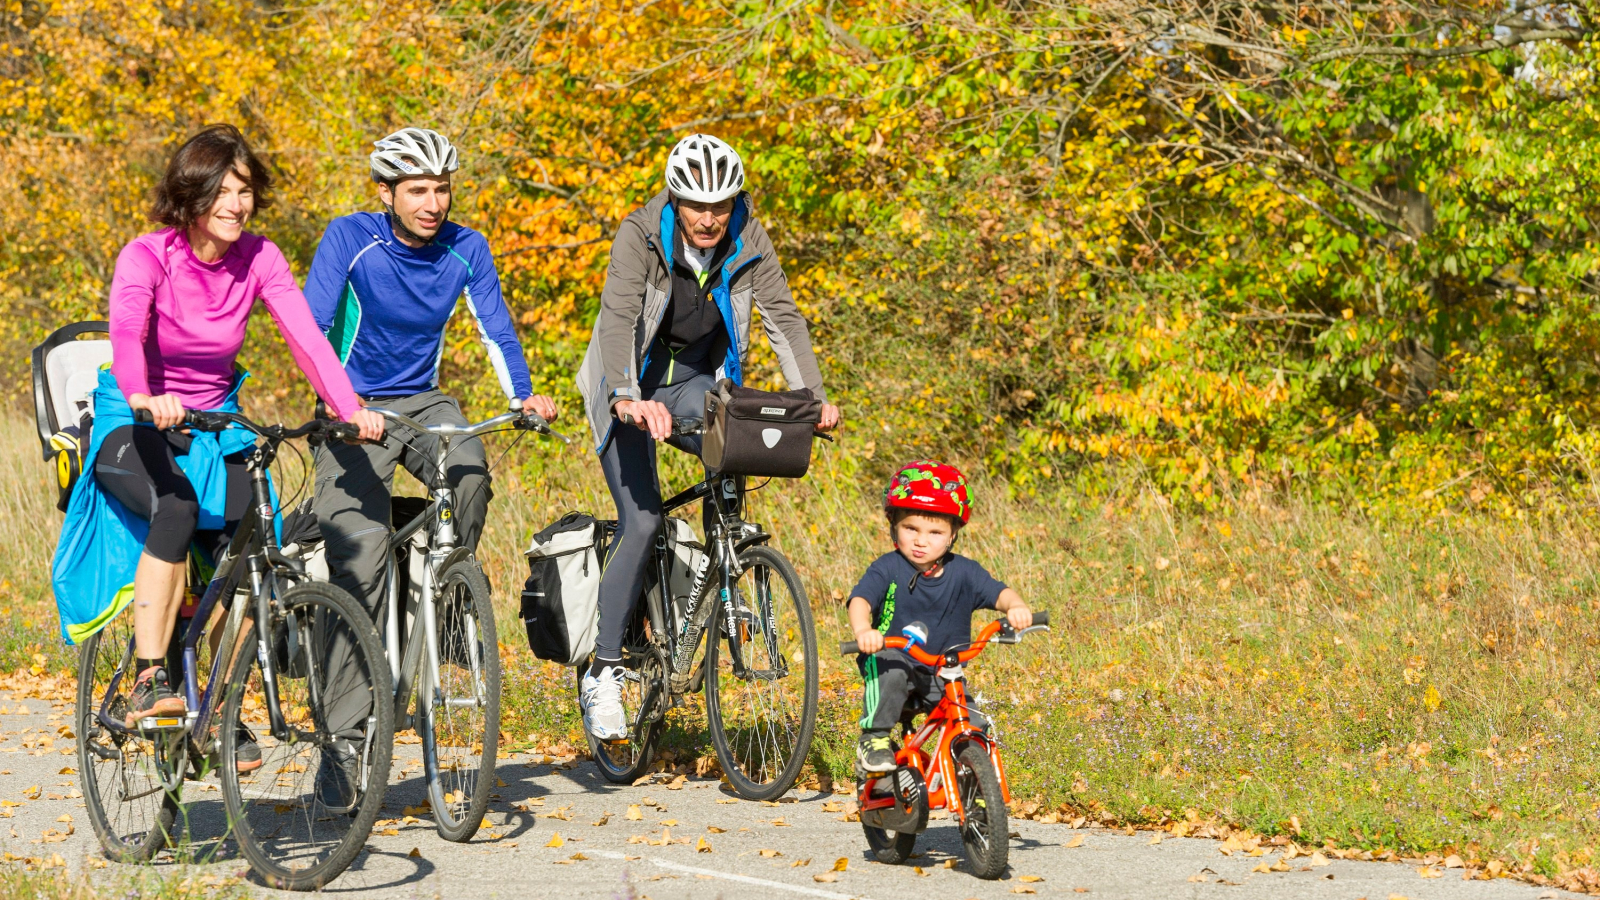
column 152, row 696
column 247, row 755
column 875, row 754
column 337, row 778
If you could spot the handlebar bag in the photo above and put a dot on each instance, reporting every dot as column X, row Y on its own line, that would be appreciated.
column 561, row 598
column 761, row 433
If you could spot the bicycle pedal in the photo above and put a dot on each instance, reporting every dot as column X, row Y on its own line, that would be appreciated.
column 166, row 723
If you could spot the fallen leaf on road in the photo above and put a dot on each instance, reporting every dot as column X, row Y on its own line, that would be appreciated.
column 68, row 770
column 635, row 813
column 702, row 846
column 1199, row 877
column 1077, row 841
column 949, row 864
column 421, row 809
column 1430, row 872
column 1029, row 879
column 64, row 817
column 1263, row 867
column 727, row 800
column 715, row 830
column 604, row 818
column 416, row 853
column 389, row 832
column 1454, row 862
column 842, row 863
column 917, row 870
column 32, row 793
column 668, row 822
column 826, row 877
column 1318, row 860
column 578, row 856
column 556, row 841
column 800, row 862
column 1155, row 840
column 769, row 854
column 832, row 806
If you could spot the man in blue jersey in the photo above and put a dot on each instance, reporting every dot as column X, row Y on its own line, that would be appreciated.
column 383, row 287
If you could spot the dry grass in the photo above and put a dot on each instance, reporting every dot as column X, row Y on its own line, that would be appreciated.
column 1291, row 669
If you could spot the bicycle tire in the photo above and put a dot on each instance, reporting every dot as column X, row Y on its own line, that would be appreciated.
column 739, row 734
column 985, row 831
column 342, row 658
column 890, row 847
column 624, row 762
column 129, row 831
column 458, row 790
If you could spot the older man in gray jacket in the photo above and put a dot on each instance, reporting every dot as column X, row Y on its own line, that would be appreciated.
column 686, row 270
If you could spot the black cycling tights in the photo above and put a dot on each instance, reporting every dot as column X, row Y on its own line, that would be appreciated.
column 139, row 466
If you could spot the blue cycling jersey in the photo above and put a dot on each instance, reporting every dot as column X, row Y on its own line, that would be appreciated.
column 384, row 306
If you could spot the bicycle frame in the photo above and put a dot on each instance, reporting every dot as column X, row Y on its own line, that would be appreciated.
column 254, row 542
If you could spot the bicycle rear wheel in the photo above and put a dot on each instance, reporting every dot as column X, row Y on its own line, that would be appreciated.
column 304, row 815
column 763, row 705
column 129, row 806
column 644, row 686
column 464, row 714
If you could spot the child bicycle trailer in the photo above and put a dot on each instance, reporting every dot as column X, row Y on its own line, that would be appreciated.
column 66, row 368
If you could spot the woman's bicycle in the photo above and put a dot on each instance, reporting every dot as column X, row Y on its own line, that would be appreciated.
column 298, row 823
column 440, row 639
column 963, row 773
column 759, row 670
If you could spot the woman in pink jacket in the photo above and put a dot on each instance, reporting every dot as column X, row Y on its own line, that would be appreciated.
column 180, row 302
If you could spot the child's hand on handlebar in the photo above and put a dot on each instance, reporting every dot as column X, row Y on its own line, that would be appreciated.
column 370, row 423
column 649, row 415
column 869, row 640
column 1019, row 617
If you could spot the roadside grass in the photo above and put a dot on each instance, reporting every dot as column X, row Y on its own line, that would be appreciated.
column 1291, row 670
column 28, row 882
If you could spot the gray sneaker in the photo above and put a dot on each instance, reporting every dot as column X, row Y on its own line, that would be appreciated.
column 601, row 701
column 337, row 779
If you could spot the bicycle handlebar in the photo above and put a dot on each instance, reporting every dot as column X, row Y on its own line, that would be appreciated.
column 689, row 425
column 202, row 420
column 529, row 421
column 998, row 627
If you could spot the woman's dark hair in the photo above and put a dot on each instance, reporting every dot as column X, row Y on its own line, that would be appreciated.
column 194, row 176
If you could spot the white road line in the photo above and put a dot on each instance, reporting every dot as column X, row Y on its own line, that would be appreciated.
column 730, row 876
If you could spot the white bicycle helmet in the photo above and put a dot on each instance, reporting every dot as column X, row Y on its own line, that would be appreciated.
column 412, row 151
column 704, row 169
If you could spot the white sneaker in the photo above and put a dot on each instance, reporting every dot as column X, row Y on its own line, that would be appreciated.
column 601, row 701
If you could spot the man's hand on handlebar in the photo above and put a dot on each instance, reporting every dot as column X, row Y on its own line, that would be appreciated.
column 649, row 415
column 166, row 410
column 540, row 405
column 830, row 418
column 370, row 423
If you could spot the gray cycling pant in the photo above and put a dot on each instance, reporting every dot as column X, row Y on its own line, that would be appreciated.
column 354, row 484
column 629, row 464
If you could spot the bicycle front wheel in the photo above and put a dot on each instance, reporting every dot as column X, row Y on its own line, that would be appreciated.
column 464, row 713
column 124, row 790
column 303, row 815
column 761, row 677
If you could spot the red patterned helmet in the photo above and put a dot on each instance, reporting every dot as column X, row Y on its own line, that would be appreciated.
column 929, row 486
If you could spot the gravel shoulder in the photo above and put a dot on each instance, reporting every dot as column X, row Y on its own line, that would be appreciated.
column 557, row 826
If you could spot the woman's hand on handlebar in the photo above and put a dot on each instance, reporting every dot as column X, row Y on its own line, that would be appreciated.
column 540, row 405
column 370, row 423
column 830, row 418
column 166, row 410
column 649, row 415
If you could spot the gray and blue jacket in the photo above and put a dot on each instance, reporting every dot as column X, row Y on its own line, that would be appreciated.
column 637, row 292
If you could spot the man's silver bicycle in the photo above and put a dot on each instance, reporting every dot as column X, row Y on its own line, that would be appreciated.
column 440, row 639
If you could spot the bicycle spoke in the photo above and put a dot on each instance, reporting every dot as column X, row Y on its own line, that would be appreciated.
column 465, row 715
column 121, row 774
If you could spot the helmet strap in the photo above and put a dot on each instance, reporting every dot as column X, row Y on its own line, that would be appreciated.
column 401, row 230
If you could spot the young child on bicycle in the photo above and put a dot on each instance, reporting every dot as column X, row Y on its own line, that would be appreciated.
column 921, row 580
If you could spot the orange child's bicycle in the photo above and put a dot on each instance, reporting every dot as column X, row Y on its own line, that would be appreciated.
column 963, row 773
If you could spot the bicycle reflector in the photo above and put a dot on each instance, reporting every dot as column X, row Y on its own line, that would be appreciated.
column 915, row 632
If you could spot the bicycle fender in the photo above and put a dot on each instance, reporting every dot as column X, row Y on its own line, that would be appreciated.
column 743, row 544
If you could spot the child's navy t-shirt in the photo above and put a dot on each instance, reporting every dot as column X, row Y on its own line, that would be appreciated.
column 945, row 604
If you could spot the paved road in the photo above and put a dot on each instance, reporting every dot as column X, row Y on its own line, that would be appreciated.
column 691, row 840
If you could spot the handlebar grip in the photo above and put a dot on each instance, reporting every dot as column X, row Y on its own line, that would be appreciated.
column 1041, row 618
column 822, row 436
column 143, row 416
column 848, row 648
